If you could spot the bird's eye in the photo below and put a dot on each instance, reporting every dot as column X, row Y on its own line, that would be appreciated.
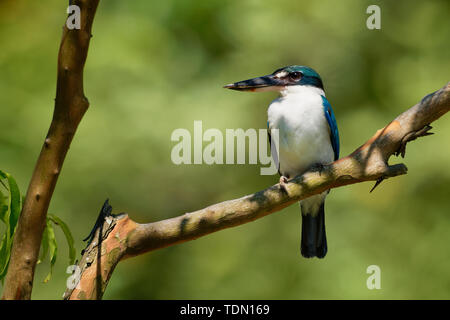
column 295, row 75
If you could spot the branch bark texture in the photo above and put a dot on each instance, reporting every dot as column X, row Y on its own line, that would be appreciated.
column 70, row 106
column 120, row 237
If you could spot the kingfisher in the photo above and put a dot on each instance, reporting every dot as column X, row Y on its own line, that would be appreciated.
column 308, row 137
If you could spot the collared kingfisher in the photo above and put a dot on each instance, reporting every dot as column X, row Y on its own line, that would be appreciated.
column 308, row 137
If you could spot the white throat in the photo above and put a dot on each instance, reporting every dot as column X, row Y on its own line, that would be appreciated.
column 301, row 90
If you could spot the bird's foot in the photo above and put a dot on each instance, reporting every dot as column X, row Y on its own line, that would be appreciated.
column 283, row 181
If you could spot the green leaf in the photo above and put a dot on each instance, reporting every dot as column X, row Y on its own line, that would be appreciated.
column 68, row 235
column 4, row 258
column 10, row 208
column 14, row 204
column 10, row 217
column 4, row 216
column 3, row 211
column 44, row 246
column 53, row 247
column 3, row 206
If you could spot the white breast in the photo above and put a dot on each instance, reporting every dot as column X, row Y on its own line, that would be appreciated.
column 304, row 134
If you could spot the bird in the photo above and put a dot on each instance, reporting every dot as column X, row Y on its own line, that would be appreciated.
column 308, row 137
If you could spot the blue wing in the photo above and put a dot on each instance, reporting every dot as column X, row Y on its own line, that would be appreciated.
column 334, row 132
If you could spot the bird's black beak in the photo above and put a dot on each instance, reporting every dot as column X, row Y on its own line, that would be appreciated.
column 264, row 83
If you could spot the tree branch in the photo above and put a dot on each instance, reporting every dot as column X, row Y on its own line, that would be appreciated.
column 120, row 237
column 70, row 106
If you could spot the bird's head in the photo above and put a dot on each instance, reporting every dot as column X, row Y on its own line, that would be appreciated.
column 280, row 79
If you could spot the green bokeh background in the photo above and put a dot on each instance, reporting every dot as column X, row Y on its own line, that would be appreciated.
column 155, row 66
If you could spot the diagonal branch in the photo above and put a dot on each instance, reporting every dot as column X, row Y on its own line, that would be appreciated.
column 123, row 238
column 70, row 106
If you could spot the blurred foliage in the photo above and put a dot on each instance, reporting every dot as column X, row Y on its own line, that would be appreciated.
column 155, row 66
column 10, row 207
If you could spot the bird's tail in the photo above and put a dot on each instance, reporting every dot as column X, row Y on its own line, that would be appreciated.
column 314, row 239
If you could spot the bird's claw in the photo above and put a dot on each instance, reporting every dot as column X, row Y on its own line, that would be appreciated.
column 283, row 181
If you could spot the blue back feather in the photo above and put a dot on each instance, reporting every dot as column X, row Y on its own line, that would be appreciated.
column 334, row 133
